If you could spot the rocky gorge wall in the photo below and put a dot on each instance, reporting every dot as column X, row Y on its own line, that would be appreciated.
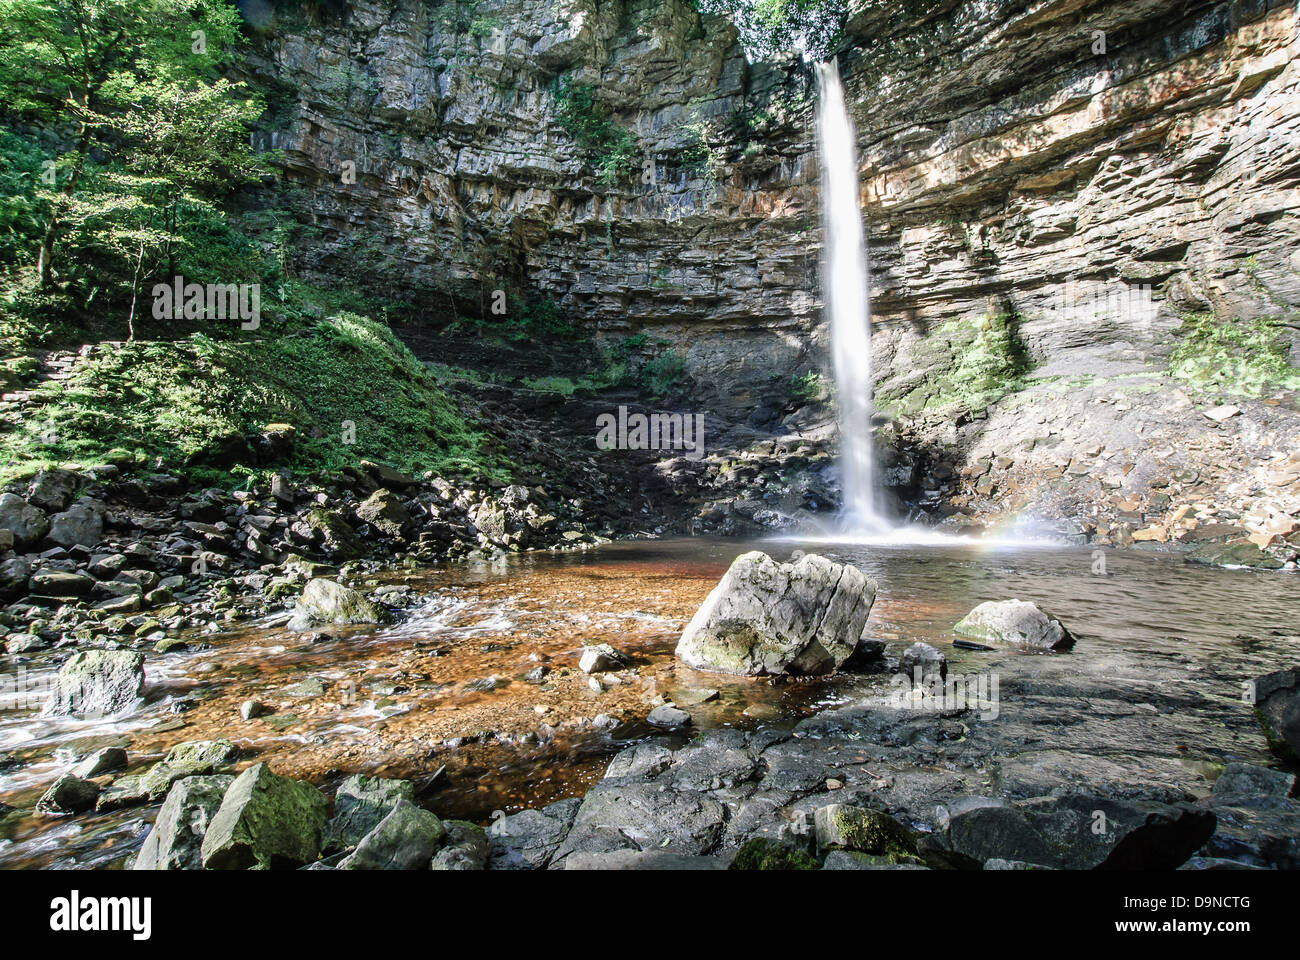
column 1056, row 194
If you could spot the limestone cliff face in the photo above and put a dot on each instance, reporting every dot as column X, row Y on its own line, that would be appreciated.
column 1050, row 189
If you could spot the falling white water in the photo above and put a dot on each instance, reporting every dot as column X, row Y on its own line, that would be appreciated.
column 845, row 286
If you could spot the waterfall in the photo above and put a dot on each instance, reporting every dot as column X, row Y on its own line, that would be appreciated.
column 845, row 286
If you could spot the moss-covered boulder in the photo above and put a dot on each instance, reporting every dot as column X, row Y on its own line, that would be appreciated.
column 359, row 805
column 466, row 847
column 265, row 821
column 761, row 854
column 1242, row 554
column 324, row 601
column 176, row 839
column 406, row 839
column 187, row 760
column 1277, row 709
column 841, row 826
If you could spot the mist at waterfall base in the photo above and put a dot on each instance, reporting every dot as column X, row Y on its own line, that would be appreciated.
column 846, row 284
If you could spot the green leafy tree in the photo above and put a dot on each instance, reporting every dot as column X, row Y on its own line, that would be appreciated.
column 133, row 89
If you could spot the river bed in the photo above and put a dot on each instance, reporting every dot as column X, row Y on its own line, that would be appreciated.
column 441, row 696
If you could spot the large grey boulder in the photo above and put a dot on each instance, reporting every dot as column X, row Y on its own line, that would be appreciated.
column 766, row 617
column 266, row 821
column 324, row 601
column 13, row 577
column 82, row 523
column 1014, row 623
column 406, row 839
column 359, row 805
column 26, row 521
column 96, row 683
column 1277, row 709
column 53, row 489
column 176, row 839
column 60, row 584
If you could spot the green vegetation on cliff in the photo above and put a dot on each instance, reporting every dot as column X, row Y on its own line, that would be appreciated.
column 1244, row 358
column 608, row 147
column 972, row 362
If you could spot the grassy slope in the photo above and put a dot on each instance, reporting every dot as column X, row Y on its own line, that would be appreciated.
column 189, row 405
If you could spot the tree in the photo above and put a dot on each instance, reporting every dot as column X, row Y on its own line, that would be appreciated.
column 133, row 88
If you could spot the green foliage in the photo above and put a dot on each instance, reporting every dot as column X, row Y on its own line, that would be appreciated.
column 970, row 363
column 769, row 26
column 608, row 147
column 658, row 375
column 809, row 387
column 192, row 405
column 763, row 854
column 1232, row 356
column 141, row 138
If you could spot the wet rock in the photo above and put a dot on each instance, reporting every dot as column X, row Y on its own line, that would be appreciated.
column 854, row 860
column 1014, row 623
column 27, row 522
column 188, row 759
column 251, row 709
column 404, row 840
column 763, row 854
column 25, row 643
column 527, row 840
column 96, row 683
column 1234, row 555
column 265, row 820
column 466, row 847
column 767, row 617
column 641, row 860
column 68, row 794
column 176, row 839
column 100, row 762
column 81, row 523
column 384, row 511
column 1277, row 710
column 601, row 658
column 921, row 661
column 619, row 815
column 1076, row 832
column 359, row 805
column 668, row 717
column 324, row 601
